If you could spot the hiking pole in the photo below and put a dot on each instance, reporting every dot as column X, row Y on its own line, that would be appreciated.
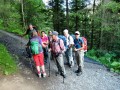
column 63, row 79
column 49, row 61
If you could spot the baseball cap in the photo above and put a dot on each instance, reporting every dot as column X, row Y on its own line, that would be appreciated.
column 55, row 33
column 77, row 32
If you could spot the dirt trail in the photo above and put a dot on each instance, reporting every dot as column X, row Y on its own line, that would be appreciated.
column 95, row 76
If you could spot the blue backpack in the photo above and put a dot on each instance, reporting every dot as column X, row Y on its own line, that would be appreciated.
column 64, row 39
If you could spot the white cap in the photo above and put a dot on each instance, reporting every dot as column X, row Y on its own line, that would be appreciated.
column 77, row 32
column 65, row 31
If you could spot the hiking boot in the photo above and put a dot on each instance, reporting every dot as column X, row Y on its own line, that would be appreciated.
column 56, row 73
column 77, row 71
column 78, row 74
column 39, row 75
column 71, row 64
column 44, row 74
column 64, row 76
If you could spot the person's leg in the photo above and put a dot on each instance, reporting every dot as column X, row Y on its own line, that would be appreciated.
column 41, row 61
column 80, row 64
column 36, row 60
column 81, row 60
column 70, row 57
column 77, row 61
column 61, row 67
column 67, row 58
column 45, row 54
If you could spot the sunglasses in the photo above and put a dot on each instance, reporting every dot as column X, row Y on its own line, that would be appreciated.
column 76, row 34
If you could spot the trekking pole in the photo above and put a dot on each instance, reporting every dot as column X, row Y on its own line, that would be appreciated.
column 49, row 61
column 63, row 79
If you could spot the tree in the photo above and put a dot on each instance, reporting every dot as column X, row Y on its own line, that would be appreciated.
column 58, row 14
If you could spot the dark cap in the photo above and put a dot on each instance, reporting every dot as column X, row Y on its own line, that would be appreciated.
column 55, row 33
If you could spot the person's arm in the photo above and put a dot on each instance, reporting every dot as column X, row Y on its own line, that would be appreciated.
column 62, row 45
column 25, row 33
column 82, row 48
column 40, row 41
column 71, row 42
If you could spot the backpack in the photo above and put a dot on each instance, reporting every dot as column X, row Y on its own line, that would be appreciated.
column 85, row 44
column 36, row 48
column 61, row 49
column 64, row 39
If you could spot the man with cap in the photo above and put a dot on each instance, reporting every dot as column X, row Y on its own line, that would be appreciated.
column 79, row 52
column 68, row 46
column 57, row 49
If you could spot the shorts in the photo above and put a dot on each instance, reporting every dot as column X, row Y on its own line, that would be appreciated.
column 39, row 59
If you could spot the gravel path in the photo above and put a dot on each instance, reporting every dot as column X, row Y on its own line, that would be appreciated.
column 95, row 76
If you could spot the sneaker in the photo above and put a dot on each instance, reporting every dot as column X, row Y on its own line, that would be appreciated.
column 39, row 75
column 44, row 74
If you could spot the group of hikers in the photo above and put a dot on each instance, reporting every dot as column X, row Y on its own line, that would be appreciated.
column 40, row 44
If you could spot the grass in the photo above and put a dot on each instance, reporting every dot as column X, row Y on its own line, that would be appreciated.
column 7, row 62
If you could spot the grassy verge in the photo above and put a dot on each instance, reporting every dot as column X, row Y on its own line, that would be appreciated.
column 109, row 59
column 7, row 62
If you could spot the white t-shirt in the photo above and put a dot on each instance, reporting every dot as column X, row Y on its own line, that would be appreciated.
column 69, row 40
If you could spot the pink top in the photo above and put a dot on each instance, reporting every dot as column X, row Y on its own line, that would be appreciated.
column 44, row 39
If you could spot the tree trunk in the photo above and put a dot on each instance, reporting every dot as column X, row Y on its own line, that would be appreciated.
column 92, row 31
column 67, row 15
column 23, row 16
column 76, row 18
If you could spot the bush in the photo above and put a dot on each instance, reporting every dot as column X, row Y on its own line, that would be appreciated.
column 109, row 59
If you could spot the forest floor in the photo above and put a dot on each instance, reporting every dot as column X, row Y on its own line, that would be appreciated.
column 94, row 77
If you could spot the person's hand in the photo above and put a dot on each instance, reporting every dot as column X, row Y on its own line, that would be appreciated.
column 75, row 49
column 21, row 35
column 49, row 50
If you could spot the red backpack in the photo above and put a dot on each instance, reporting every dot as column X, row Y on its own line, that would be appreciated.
column 85, row 44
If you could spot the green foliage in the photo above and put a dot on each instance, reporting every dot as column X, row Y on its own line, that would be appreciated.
column 7, row 62
column 113, row 6
column 108, row 59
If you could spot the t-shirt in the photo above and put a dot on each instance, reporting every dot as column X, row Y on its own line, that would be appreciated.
column 70, row 40
column 44, row 39
column 78, row 42
column 39, row 40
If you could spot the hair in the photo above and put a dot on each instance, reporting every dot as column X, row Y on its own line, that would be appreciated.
column 34, row 33
column 42, row 31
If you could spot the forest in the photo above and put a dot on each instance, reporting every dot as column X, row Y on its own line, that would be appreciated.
column 97, row 20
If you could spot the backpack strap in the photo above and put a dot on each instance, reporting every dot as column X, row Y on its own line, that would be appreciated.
column 59, row 44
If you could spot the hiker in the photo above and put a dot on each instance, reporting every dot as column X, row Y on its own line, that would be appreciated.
column 45, row 42
column 68, row 46
column 36, row 45
column 57, row 49
column 79, row 52
column 29, row 31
